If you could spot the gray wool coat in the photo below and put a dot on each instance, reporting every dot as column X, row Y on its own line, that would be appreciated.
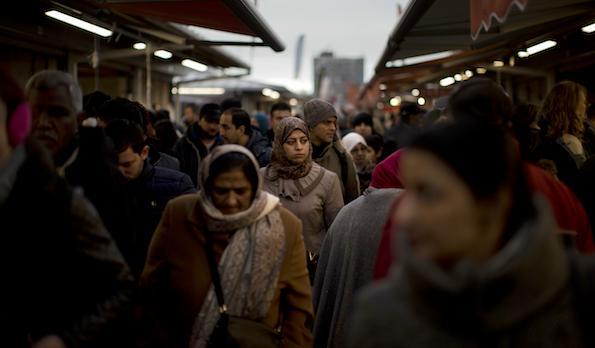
column 526, row 295
column 346, row 263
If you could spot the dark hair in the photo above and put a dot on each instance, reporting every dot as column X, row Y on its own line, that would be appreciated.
column 229, row 162
column 166, row 135
column 211, row 112
column 124, row 109
column 374, row 141
column 481, row 98
column 124, row 134
column 281, row 107
column 408, row 110
column 363, row 117
column 485, row 158
column 230, row 103
column 239, row 117
column 93, row 101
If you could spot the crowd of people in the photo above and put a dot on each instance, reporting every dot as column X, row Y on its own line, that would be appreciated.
column 469, row 224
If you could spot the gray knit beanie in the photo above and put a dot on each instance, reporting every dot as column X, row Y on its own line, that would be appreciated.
column 318, row 110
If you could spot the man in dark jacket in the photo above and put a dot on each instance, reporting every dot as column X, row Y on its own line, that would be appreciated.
column 64, row 281
column 321, row 118
column 80, row 154
column 151, row 187
column 405, row 130
column 279, row 111
column 121, row 108
column 236, row 129
column 201, row 137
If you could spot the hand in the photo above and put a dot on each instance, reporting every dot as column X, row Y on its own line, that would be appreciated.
column 50, row 341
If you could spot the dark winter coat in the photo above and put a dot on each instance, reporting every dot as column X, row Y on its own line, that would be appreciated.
column 162, row 159
column 151, row 191
column 334, row 157
column 191, row 151
column 259, row 145
column 62, row 272
column 94, row 170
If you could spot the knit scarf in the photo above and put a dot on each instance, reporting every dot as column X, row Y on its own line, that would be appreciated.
column 250, row 265
column 281, row 165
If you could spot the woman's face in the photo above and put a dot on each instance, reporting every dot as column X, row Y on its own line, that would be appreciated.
column 231, row 192
column 360, row 155
column 297, row 147
column 442, row 220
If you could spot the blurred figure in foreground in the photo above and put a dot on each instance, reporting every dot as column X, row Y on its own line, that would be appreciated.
column 65, row 284
column 480, row 259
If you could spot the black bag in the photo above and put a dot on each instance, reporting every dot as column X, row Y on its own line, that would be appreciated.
column 235, row 332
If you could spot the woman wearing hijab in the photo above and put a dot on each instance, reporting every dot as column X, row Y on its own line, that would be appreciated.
column 258, row 247
column 308, row 190
column 358, row 148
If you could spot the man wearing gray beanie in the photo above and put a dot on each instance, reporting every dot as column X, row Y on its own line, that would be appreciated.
column 321, row 118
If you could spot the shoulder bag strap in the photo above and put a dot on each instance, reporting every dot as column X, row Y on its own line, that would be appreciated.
column 215, row 273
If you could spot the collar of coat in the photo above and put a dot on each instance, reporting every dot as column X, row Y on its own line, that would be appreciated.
column 527, row 273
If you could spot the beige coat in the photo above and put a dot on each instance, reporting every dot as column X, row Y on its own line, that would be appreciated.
column 176, row 277
column 315, row 199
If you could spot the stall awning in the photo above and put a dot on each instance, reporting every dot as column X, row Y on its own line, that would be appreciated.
column 235, row 16
column 430, row 26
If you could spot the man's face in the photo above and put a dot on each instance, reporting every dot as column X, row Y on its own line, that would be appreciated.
column 210, row 128
column 131, row 163
column 277, row 116
column 54, row 119
column 229, row 132
column 189, row 116
column 324, row 132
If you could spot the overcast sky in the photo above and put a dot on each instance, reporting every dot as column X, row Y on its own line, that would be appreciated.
column 349, row 28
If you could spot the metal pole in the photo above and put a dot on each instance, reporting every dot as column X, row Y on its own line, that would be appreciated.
column 148, row 75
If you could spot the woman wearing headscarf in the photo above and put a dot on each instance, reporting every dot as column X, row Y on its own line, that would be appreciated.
column 259, row 249
column 358, row 148
column 308, row 190
column 480, row 260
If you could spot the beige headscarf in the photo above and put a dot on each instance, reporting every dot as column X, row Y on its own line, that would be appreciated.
column 250, row 265
column 281, row 166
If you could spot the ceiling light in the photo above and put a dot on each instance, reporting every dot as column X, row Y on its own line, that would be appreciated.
column 395, row 101
column 163, row 54
column 189, row 63
column 589, row 28
column 469, row 73
column 275, row 95
column 199, row 91
column 139, row 46
column 267, row 92
column 382, row 87
column 293, row 102
column 458, row 77
column 481, row 70
column 498, row 63
column 421, row 101
column 415, row 92
column 542, row 46
column 63, row 17
column 447, row 81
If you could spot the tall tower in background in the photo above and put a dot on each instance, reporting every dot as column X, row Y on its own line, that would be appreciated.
column 337, row 79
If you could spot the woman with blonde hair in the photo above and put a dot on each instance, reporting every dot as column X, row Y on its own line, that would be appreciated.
column 564, row 113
